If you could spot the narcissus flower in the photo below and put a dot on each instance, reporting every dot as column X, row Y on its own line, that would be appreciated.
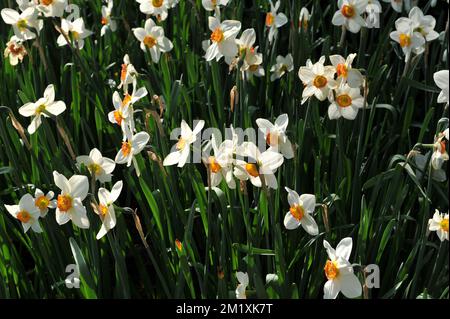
column 25, row 4
column 440, row 154
column 127, row 73
column 345, row 72
column 258, row 164
column 100, row 167
column 339, row 271
column 303, row 19
column 212, row 5
column 397, row 5
column 283, row 66
column 252, row 60
column 121, row 110
column 349, row 14
column 317, row 79
column 44, row 105
column 44, row 201
column 107, row 22
column 153, row 40
column 23, row 23
column 223, row 39
column 15, row 51
column 70, row 201
column 373, row 10
column 275, row 135
column 157, row 8
column 242, row 286
column 52, row 8
column 74, row 31
column 441, row 79
column 424, row 24
column 408, row 39
column 131, row 147
column 275, row 20
column 105, row 209
column 346, row 103
column 27, row 213
column 300, row 211
column 220, row 164
column 421, row 162
column 181, row 150
column 439, row 224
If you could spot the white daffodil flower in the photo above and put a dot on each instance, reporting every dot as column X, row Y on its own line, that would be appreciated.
column 441, row 80
column 303, row 19
column 421, row 161
column 107, row 22
column 346, row 103
column 44, row 201
column 252, row 60
column 275, row 135
column 105, row 209
column 223, row 39
column 100, row 167
column 408, row 39
column 373, row 10
column 121, row 110
column 265, row 164
column 27, row 213
column 127, row 73
column 23, row 23
column 44, row 105
column 152, row 39
column 131, row 147
column 15, row 51
column 397, row 5
column 127, row 108
column 344, row 70
column 283, row 66
column 317, row 79
column 52, row 8
column 181, row 152
column 25, row 4
column 275, row 20
column 70, row 201
column 242, row 286
column 75, row 31
column 300, row 211
column 156, row 8
column 439, row 224
column 213, row 5
column 349, row 14
column 220, row 164
column 339, row 271
column 440, row 154
column 424, row 24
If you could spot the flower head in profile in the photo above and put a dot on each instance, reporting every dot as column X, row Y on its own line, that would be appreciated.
column 300, row 212
column 156, row 8
column 345, row 103
column 15, row 51
column 25, row 24
column 275, row 135
column 441, row 79
column 213, row 5
column 421, row 162
column 303, row 19
column 107, row 22
column 70, row 200
column 181, row 150
column 220, row 163
column 45, row 106
column 275, row 20
column 74, row 31
column 345, row 72
column 318, row 79
column 373, row 10
column 339, row 271
column 121, row 110
column 105, row 209
column 127, row 73
column 153, row 40
column 27, row 213
column 100, row 167
column 242, row 286
column 410, row 41
column 52, row 8
column 439, row 224
column 223, row 39
column 284, row 65
column 252, row 60
column 131, row 146
column 349, row 14
column 440, row 154
column 44, row 201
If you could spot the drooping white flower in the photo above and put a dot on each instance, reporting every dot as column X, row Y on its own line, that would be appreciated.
column 303, row 19
column 300, row 211
column 439, row 224
column 275, row 135
column 131, row 147
column 100, row 167
column 157, row 8
column 75, row 31
column 242, row 286
column 27, row 213
column 421, row 161
column 283, row 66
column 15, row 51
column 70, row 201
column 25, row 24
column 275, row 20
column 107, row 22
column 52, row 8
column 44, row 105
column 440, row 154
column 180, row 153
column 346, row 103
column 409, row 40
column 349, row 14
column 223, row 39
column 152, row 39
column 339, row 271
column 441, row 79
column 318, row 79
column 345, row 72
column 105, row 209
column 44, row 201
